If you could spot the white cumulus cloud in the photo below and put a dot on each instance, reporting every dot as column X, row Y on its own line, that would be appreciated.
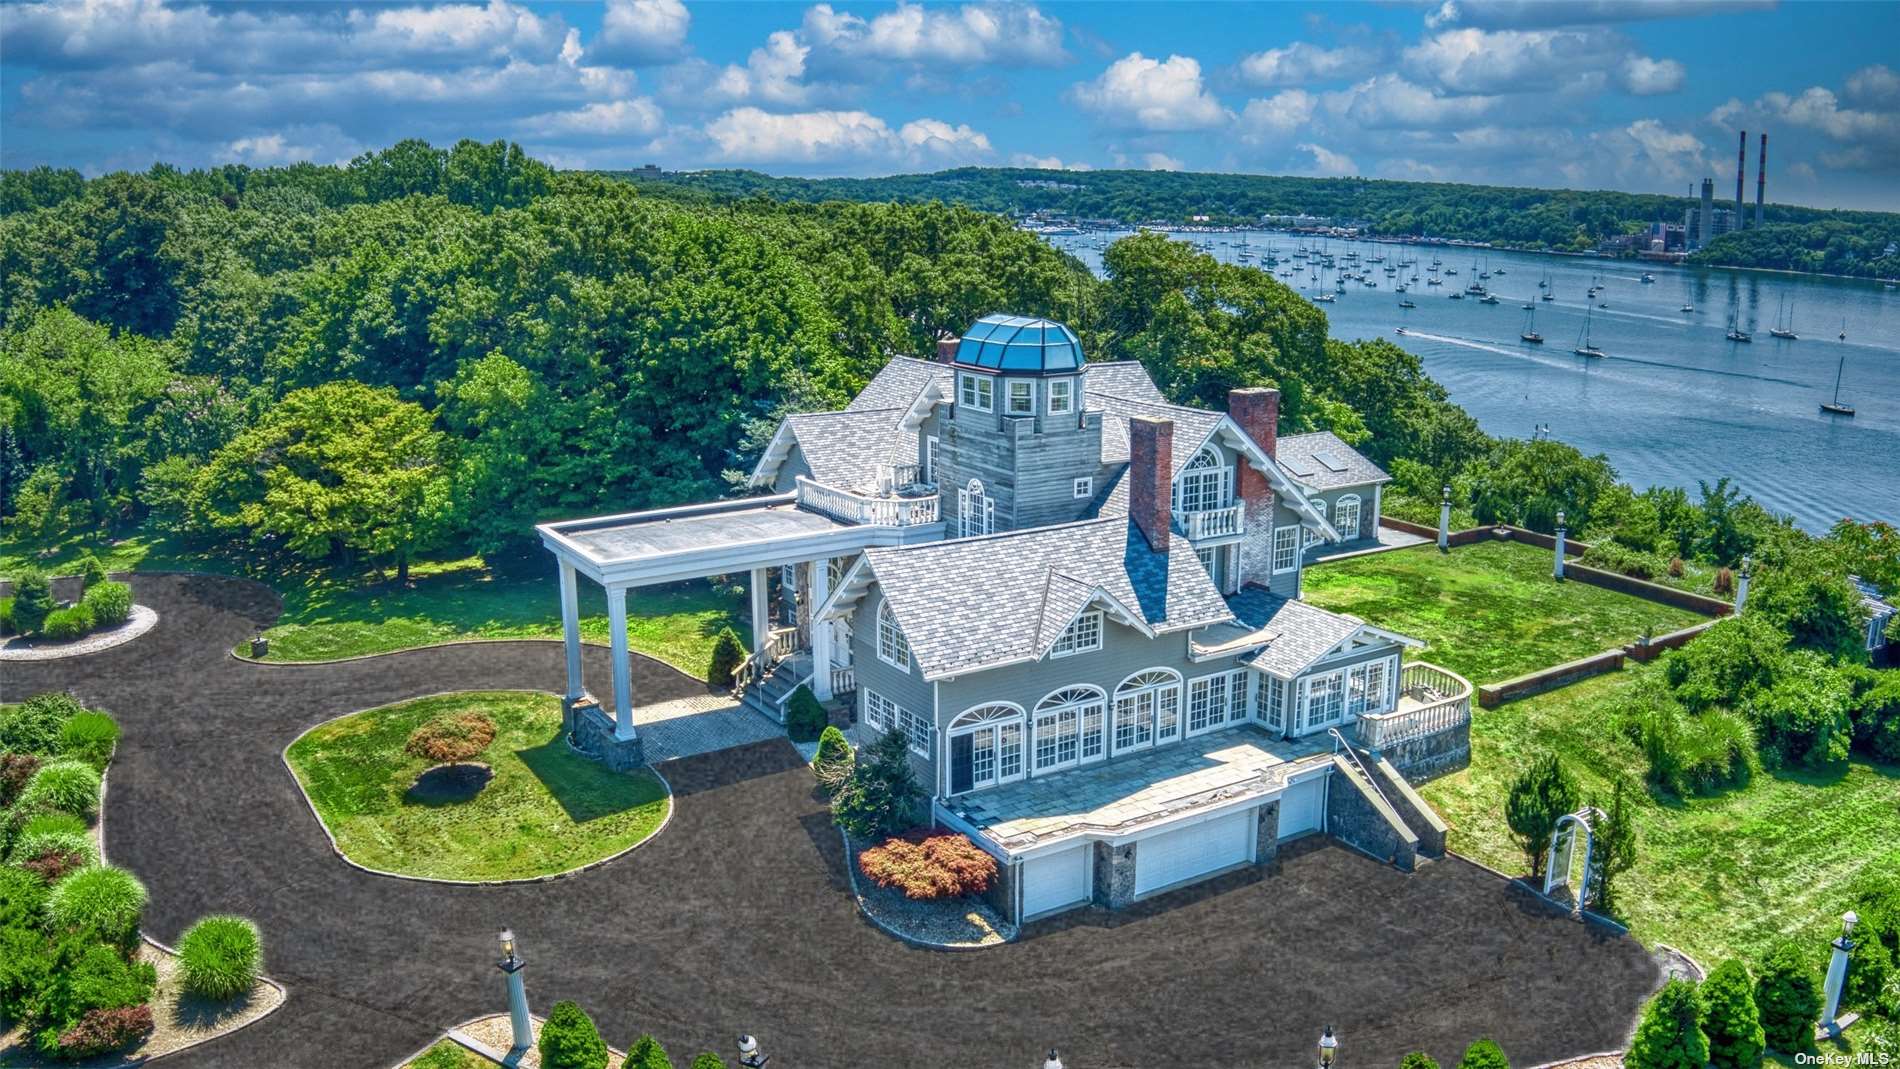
column 643, row 31
column 1302, row 62
column 1277, row 116
column 1329, row 164
column 1137, row 92
column 753, row 135
column 1645, row 76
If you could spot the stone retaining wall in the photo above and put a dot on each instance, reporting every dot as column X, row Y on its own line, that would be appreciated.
column 1661, row 644
column 1491, row 695
column 1438, row 754
column 65, row 587
column 1418, row 815
column 1358, row 817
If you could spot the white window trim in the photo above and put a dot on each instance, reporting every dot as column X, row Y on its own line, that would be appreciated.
column 1067, row 393
column 1199, row 470
column 1080, row 623
column 1294, row 563
column 1171, row 688
column 1083, row 487
column 1010, row 387
column 1097, row 700
column 983, row 524
column 1010, row 715
column 888, row 627
column 979, row 386
column 1236, row 682
column 930, row 459
column 912, row 724
column 1339, row 508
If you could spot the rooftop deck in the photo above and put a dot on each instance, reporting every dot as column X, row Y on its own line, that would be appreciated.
column 1125, row 794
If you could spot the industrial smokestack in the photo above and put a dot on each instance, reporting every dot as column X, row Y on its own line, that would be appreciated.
column 1761, row 176
column 1741, row 170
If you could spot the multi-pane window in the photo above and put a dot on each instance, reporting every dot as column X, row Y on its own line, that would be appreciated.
column 1022, row 398
column 892, row 647
column 1211, row 558
column 1286, row 548
column 1346, row 517
column 1083, row 635
column 1147, row 710
column 1323, row 703
column 1068, row 728
column 1061, row 396
column 976, row 511
column 886, row 715
column 986, row 747
column 930, row 459
column 976, row 392
column 1366, row 688
column 1216, row 700
column 1083, row 487
column 1205, row 484
column 1272, row 703
column 1319, row 506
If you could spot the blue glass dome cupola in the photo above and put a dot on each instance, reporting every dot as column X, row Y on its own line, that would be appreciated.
column 1019, row 345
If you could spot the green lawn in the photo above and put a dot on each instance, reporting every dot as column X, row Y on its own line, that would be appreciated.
column 1718, row 877
column 546, row 810
column 448, row 1054
column 336, row 612
column 1488, row 611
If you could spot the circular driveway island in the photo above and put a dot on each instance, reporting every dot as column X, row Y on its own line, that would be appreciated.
column 739, row 919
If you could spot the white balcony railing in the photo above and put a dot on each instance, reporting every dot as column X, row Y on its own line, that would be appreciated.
column 1209, row 523
column 1431, row 700
column 864, row 509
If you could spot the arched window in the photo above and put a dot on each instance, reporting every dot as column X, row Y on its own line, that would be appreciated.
column 892, row 647
column 1069, row 728
column 986, row 747
column 976, row 510
column 1346, row 517
column 1207, row 483
column 1147, row 709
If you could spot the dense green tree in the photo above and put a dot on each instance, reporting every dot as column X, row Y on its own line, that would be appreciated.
column 1669, row 1034
column 1418, row 1059
column 879, row 798
column 1484, row 1054
column 646, row 1053
column 1613, row 846
column 708, row 1060
column 1539, row 795
column 1788, row 998
column 1529, row 482
column 32, row 600
column 569, row 1039
column 1730, row 1019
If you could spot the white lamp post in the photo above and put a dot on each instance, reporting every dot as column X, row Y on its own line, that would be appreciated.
column 1557, row 568
column 1741, row 584
column 1837, row 974
column 1444, row 521
column 1052, row 1061
column 511, row 965
column 750, row 1056
column 1328, row 1048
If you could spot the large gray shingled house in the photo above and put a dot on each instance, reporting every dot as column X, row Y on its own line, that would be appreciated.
column 1081, row 606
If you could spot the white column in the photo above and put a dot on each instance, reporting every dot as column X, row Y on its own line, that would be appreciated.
column 761, row 617
column 623, row 663
column 571, row 631
column 1444, row 522
column 820, row 589
column 1557, row 566
column 1837, row 975
column 1376, row 494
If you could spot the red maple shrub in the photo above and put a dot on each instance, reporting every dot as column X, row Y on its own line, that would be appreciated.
column 52, row 864
column 927, row 867
column 15, row 770
column 451, row 737
column 100, row 1031
column 1724, row 581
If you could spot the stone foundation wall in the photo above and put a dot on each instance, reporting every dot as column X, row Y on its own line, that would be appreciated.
column 1425, row 759
column 1267, row 834
column 591, row 731
column 1359, row 818
column 1001, row 896
column 1114, row 875
column 1418, row 815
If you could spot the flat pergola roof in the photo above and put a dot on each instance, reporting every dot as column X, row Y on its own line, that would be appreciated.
column 663, row 545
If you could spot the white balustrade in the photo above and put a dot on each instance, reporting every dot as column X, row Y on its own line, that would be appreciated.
column 1444, row 703
column 866, row 510
column 1210, row 523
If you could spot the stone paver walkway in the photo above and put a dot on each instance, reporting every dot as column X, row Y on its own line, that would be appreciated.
column 699, row 723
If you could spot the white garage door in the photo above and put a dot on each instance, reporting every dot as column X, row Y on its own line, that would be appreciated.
column 1301, row 807
column 1172, row 857
column 1053, row 881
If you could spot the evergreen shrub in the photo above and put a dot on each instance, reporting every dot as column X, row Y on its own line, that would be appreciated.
column 65, row 785
column 805, row 716
column 646, row 1053
column 1729, row 1017
column 109, row 602
column 569, row 1039
column 1669, row 1035
column 33, row 725
column 100, row 900
column 64, row 625
column 221, row 956
column 727, row 652
column 1788, row 999
column 90, row 737
column 1484, row 1054
column 32, row 600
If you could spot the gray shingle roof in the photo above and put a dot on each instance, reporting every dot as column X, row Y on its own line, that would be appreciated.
column 898, row 383
column 845, row 448
column 974, row 602
column 1191, row 427
column 1124, row 378
column 1302, row 632
column 1305, row 457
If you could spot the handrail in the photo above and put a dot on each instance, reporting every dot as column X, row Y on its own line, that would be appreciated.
column 865, row 510
column 1210, row 523
column 1353, row 756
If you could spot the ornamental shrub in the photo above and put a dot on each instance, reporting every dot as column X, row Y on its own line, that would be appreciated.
column 110, row 603
column 101, row 900
column 90, row 737
column 727, row 652
column 1788, row 999
column 1729, row 1017
column 832, row 765
column 1418, row 1059
column 451, row 737
column 1804, row 717
column 1871, row 968
column 32, row 600
column 26, row 966
column 221, row 956
column 1541, row 793
column 102, row 1031
column 36, row 844
column 22, row 900
column 1732, row 660
column 1724, row 581
column 1876, row 716
column 15, row 770
column 646, row 1053
column 6, row 616
column 805, row 716
column 33, row 725
column 90, row 571
column 1616, row 557
column 569, row 1039
column 708, row 1060
column 879, row 798
column 64, row 625
column 925, row 868
column 1669, row 1036
column 1484, row 1054
column 66, row 785
column 51, row 821
column 87, row 976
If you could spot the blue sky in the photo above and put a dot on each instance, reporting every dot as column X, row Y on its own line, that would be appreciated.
column 1629, row 94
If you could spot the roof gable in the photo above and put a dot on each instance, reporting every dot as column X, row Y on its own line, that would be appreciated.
column 1323, row 461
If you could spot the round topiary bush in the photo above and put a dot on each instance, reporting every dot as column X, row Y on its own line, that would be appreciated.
column 89, row 569
column 110, row 603
column 569, row 1039
column 33, row 726
column 1788, row 999
column 451, row 737
column 64, row 625
column 101, row 899
column 65, row 785
column 727, row 652
column 90, row 737
column 221, row 956
column 32, row 600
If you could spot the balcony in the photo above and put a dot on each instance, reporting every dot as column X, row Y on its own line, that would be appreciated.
column 868, row 510
column 1209, row 523
column 1431, row 700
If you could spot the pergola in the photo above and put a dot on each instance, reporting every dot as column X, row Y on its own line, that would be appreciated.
column 718, row 538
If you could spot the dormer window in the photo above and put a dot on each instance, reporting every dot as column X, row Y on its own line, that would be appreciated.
column 1022, row 397
column 976, row 392
column 1061, row 396
column 1084, row 635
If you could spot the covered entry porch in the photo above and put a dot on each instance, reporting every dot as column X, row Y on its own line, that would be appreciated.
column 750, row 536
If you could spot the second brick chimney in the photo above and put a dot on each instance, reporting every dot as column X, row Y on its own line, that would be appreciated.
column 1150, row 478
column 947, row 348
column 1257, row 410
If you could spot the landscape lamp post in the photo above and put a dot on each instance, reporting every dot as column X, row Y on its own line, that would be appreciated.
column 1837, row 973
column 1557, row 568
column 750, row 1056
column 1741, row 583
column 1052, row 1061
column 1444, row 521
column 511, row 965
column 1328, row 1048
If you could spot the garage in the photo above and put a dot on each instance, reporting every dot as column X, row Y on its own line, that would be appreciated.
column 1303, row 808
column 1055, row 881
column 1196, row 850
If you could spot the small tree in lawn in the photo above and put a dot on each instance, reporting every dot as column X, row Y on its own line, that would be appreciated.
column 451, row 738
column 1484, row 1054
column 1418, row 1059
column 878, row 798
column 1729, row 1017
column 1670, row 1034
column 1613, row 846
column 569, row 1039
column 1788, row 999
column 646, row 1053
column 727, row 652
column 832, row 765
column 1539, row 795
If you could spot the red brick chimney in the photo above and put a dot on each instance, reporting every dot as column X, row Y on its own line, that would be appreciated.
column 1150, row 478
column 947, row 348
column 1257, row 410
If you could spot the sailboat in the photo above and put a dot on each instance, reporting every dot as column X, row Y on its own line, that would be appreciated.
column 1550, row 294
column 1834, row 407
column 1781, row 329
column 1584, row 346
column 1529, row 333
column 1736, row 333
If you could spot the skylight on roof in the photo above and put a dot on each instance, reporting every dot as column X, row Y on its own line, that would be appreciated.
column 1331, row 461
column 1299, row 466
